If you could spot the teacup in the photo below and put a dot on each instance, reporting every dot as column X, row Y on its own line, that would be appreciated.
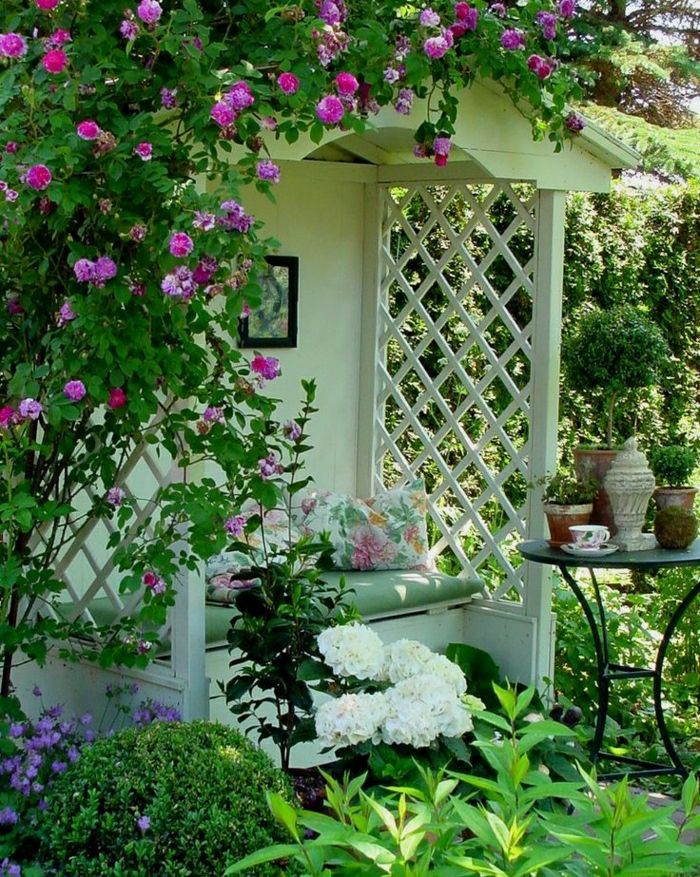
column 589, row 535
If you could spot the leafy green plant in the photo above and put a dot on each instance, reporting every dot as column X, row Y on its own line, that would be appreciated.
column 170, row 799
column 673, row 465
column 565, row 488
column 462, row 824
column 609, row 354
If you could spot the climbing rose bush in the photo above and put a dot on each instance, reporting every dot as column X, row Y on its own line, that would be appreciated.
column 123, row 274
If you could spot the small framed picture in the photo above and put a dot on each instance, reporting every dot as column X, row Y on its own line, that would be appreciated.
column 274, row 322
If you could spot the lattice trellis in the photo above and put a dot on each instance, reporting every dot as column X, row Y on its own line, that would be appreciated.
column 86, row 565
column 454, row 365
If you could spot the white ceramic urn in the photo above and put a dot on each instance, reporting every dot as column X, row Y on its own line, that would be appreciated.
column 630, row 484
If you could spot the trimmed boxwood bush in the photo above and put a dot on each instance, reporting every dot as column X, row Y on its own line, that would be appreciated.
column 170, row 800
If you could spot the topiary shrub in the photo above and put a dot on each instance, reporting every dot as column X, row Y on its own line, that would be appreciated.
column 673, row 465
column 611, row 353
column 170, row 800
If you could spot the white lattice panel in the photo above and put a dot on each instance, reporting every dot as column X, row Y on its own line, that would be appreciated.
column 86, row 564
column 454, row 364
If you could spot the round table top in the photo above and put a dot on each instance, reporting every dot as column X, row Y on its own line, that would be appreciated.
column 539, row 552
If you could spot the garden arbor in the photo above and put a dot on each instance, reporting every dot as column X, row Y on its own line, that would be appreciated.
column 429, row 313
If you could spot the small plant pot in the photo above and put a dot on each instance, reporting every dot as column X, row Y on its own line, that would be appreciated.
column 561, row 517
column 592, row 464
column 684, row 497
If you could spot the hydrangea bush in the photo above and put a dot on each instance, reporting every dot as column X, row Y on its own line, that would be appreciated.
column 401, row 695
column 123, row 280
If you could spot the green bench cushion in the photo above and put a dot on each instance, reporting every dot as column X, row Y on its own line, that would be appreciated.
column 376, row 593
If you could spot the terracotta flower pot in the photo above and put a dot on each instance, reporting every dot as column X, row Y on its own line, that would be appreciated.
column 561, row 517
column 593, row 464
column 664, row 497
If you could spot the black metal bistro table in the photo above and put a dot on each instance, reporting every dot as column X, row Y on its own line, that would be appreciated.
column 609, row 672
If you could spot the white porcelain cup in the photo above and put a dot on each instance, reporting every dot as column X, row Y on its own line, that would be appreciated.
column 589, row 535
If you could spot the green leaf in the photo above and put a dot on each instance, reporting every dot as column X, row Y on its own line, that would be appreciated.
column 284, row 813
column 269, row 854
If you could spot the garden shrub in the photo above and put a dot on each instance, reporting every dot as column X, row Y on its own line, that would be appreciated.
column 178, row 800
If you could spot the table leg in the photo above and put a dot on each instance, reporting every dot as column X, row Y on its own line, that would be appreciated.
column 658, row 678
column 600, row 644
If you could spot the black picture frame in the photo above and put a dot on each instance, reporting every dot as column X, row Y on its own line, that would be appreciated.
column 266, row 325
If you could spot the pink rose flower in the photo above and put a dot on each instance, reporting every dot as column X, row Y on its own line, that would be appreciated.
column 144, row 151
column 567, row 8
column 74, row 390
column 117, row 398
column 12, row 45
column 88, row 130
column 513, row 39
column 11, row 147
column 268, row 367
column 46, row 4
column 330, row 110
column 54, row 61
column 59, row 38
column 346, row 83
column 436, row 47
column 441, row 149
column 428, row 18
column 288, row 83
column 154, row 582
column 239, row 96
column 38, row 177
column 66, row 314
column 129, row 29
column 181, row 244
column 268, row 171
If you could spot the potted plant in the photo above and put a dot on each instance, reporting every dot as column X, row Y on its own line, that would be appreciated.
column 673, row 467
column 568, row 500
column 609, row 355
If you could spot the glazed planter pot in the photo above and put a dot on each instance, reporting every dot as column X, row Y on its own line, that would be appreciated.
column 561, row 517
column 593, row 464
column 665, row 497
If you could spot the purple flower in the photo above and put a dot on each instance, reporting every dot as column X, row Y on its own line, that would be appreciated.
column 59, row 767
column 30, row 408
column 74, row 390
column 268, row 171
column 8, row 816
column 223, row 114
column 149, row 11
column 428, row 18
column 66, row 314
column 154, row 582
column 330, row 110
column 204, row 221
column 239, row 96
column 268, row 367
column 129, row 29
column 88, row 130
column 12, row 45
column 288, row 83
column 179, row 284
column 235, row 525
column 138, row 233
column 14, row 306
column 16, row 729
column 548, row 22
column 38, row 177
column 236, row 218
column 36, row 691
column 575, row 123
column 437, row 47
column 105, row 269
column 331, row 12
column 404, row 102
column 84, row 270
column 567, row 8
column 391, row 75
column 498, row 9
column 543, row 67
column 181, row 244
column 270, row 466
column 292, row 430
column 513, row 39
column 213, row 414
column 116, row 496
column 144, row 151
column 168, row 98
column 144, row 823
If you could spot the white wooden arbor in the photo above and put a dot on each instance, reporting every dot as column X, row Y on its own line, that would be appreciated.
column 418, row 285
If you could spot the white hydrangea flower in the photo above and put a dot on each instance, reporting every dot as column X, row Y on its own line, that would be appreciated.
column 350, row 719
column 422, row 708
column 405, row 658
column 407, row 722
column 352, row 650
column 441, row 666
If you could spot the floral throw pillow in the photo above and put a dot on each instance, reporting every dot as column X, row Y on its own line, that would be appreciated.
column 387, row 531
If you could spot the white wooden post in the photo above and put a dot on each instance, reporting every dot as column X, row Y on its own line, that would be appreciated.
column 366, row 430
column 544, row 407
column 189, row 642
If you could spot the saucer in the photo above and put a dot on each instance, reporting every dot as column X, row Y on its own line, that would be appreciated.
column 602, row 551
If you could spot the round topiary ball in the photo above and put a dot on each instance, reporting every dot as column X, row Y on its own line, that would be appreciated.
column 169, row 800
column 675, row 527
